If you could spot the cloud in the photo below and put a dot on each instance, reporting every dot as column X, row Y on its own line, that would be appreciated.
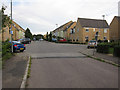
column 42, row 15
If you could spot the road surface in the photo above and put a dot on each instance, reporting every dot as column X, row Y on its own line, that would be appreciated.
column 63, row 66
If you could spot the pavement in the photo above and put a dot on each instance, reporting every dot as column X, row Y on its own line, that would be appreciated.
column 0, row 79
column 109, row 57
column 13, row 71
column 63, row 66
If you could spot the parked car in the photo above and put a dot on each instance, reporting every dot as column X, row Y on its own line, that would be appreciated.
column 92, row 43
column 25, row 40
column 41, row 39
column 54, row 39
column 62, row 40
column 18, row 46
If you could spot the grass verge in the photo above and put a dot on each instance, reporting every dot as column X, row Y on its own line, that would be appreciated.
column 29, row 68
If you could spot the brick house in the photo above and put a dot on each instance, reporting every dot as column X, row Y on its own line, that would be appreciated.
column 86, row 30
column 59, row 32
column 115, row 29
column 68, row 31
column 18, row 32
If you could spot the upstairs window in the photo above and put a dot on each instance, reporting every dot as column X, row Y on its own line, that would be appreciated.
column 105, row 30
column 93, row 29
column 87, row 30
column 74, row 30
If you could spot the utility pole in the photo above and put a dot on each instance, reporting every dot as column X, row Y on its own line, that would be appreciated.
column 11, row 32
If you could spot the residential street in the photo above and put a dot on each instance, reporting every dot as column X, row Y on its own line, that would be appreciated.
column 63, row 66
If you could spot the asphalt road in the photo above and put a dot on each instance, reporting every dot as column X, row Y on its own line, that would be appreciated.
column 62, row 66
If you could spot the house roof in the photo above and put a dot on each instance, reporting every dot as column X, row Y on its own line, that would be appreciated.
column 62, row 26
column 94, row 23
column 71, row 24
column 18, row 25
column 118, row 17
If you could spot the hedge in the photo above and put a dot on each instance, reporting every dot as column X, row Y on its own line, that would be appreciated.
column 117, row 51
column 109, row 48
column 6, row 50
column 103, row 48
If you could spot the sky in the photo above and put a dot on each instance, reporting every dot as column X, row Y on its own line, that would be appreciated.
column 41, row 16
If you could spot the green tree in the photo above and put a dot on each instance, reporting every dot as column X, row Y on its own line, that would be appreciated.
column 28, row 34
column 47, row 36
column 50, row 36
column 4, row 20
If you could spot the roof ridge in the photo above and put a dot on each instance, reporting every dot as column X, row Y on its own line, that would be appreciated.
column 92, row 19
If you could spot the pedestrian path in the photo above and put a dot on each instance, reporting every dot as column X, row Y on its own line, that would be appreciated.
column 0, row 79
column 109, row 57
column 13, row 71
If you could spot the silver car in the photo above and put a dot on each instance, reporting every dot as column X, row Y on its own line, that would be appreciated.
column 92, row 43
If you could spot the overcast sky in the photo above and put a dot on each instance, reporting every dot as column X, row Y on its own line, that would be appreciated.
column 41, row 16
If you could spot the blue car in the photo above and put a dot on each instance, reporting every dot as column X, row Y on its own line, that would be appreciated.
column 18, row 46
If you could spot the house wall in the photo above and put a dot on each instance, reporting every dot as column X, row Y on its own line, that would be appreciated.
column 79, row 32
column 5, row 34
column 69, row 29
column 115, row 30
column 92, row 32
column 60, row 31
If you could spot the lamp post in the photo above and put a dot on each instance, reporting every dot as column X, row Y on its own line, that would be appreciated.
column 11, row 32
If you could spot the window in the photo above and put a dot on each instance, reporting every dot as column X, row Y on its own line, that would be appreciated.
column 93, row 29
column 105, row 30
column 87, row 30
column 105, row 38
column 86, row 38
column 74, row 30
column 99, row 30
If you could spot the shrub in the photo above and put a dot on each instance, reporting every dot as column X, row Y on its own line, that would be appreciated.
column 103, row 48
column 117, row 51
column 6, row 50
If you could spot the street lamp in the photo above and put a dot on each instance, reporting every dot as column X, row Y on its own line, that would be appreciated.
column 11, row 32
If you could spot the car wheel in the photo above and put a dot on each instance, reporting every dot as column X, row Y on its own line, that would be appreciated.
column 88, row 47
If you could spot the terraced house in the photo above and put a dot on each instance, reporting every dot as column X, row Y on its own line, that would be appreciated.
column 86, row 29
column 115, row 29
column 59, row 32
column 18, row 32
column 68, row 31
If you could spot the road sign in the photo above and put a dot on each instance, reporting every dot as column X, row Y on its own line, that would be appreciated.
column 11, row 32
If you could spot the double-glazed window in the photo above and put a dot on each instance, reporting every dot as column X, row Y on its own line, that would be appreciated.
column 87, row 30
column 105, row 38
column 105, row 30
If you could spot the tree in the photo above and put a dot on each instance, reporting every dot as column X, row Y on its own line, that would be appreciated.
column 4, row 20
column 50, row 37
column 28, row 34
column 47, row 36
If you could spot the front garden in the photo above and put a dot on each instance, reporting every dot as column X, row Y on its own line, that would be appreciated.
column 109, row 48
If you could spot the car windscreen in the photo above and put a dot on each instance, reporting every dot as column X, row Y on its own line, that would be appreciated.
column 92, row 41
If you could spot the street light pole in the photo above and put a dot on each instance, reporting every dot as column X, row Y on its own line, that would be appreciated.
column 11, row 28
